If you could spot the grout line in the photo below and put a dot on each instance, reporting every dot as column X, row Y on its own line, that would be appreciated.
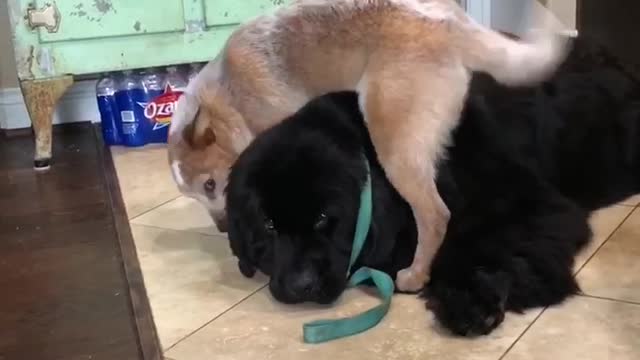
column 629, row 302
column 628, row 205
column 215, row 318
column 219, row 235
column 506, row 352
column 545, row 309
column 575, row 274
column 155, row 207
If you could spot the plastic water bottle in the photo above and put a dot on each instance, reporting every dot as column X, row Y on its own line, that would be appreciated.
column 128, row 95
column 194, row 69
column 152, row 82
column 109, row 114
column 154, row 109
column 175, row 80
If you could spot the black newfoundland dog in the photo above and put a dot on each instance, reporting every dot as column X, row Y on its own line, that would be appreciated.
column 525, row 169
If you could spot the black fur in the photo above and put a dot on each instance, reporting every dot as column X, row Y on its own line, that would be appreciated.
column 526, row 168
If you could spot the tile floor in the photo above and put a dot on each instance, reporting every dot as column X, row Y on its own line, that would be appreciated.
column 204, row 309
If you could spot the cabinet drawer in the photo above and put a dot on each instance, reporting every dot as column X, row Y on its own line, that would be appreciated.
column 90, row 36
column 229, row 12
column 89, row 19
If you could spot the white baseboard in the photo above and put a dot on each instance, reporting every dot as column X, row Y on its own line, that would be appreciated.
column 77, row 105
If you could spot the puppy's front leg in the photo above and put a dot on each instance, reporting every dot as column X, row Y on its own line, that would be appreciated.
column 416, row 184
column 432, row 226
column 410, row 111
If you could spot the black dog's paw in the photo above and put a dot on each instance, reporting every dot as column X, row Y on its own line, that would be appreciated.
column 469, row 306
column 246, row 269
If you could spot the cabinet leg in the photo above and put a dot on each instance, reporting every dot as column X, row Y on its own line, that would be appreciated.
column 41, row 97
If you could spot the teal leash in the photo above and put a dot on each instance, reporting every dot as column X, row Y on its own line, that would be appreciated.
column 320, row 331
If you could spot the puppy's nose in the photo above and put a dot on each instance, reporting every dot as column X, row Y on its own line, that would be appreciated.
column 221, row 221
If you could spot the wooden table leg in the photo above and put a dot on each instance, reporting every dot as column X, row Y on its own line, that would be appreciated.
column 41, row 97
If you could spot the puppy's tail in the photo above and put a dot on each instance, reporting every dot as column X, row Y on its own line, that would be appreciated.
column 514, row 62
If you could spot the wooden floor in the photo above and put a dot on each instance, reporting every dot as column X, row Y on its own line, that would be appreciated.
column 68, row 290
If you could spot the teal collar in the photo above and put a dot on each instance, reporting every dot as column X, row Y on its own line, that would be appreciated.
column 365, row 215
column 326, row 330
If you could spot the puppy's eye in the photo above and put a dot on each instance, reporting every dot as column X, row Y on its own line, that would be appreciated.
column 269, row 226
column 210, row 186
column 321, row 222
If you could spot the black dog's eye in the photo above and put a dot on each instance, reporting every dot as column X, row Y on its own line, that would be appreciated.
column 321, row 222
column 210, row 185
column 269, row 226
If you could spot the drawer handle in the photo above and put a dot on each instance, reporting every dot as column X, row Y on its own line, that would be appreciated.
column 48, row 16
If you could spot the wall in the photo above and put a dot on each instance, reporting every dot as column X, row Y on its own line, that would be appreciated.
column 565, row 10
column 506, row 15
column 8, row 75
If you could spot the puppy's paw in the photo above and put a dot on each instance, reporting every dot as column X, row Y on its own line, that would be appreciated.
column 471, row 307
column 410, row 281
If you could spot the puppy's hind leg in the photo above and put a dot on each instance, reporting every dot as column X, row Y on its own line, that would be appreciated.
column 410, row 111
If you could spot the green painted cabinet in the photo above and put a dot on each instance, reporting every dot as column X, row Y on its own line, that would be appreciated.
column 56, row 40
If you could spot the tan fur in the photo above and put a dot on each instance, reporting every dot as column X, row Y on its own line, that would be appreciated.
column 410, row 61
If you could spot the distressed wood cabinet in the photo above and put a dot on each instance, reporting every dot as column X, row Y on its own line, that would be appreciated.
column 56, row 40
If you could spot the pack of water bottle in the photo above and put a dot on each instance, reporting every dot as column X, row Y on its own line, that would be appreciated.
column 136, row 107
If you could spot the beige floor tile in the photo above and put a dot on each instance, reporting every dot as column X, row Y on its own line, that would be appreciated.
column 614, row 272
column 145, row 179
column 180, row 214
column 632, row 201
column 603, row 223
column 190, row 279
column 260, row 328
column 583, row 328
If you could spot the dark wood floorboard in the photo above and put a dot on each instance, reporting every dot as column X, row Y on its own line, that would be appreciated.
column 65, row 292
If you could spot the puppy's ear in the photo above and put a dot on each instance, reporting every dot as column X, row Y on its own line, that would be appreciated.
column 191, row 123
column 199, row 133
column 218, row 114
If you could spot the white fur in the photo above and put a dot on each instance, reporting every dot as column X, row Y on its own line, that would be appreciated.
column 186, row 106
column 177, row 174
column 214, row 206
column 434, row 10
column 188, row 103
column 361, row 89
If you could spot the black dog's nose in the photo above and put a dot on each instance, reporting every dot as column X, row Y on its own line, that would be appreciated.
column 302, row 284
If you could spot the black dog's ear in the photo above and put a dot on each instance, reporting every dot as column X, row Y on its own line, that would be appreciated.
column 241, row 240
column 244, row 229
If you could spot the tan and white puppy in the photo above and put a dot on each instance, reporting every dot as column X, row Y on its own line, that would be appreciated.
column 409, row 60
